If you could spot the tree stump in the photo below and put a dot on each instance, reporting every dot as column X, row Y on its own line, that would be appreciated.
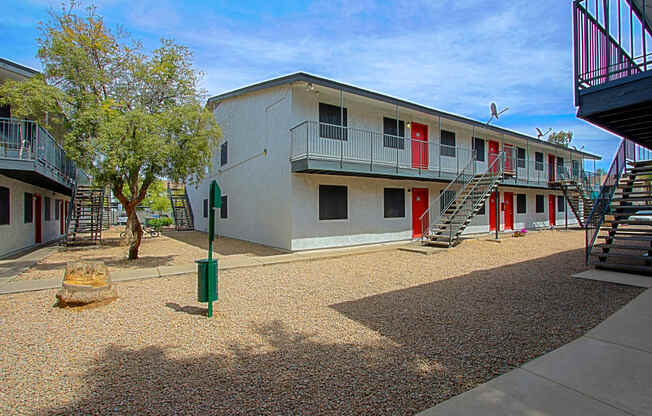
column 84, row 283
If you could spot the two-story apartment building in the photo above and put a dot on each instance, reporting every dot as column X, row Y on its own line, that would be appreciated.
column 36, row 177
column 307, row 162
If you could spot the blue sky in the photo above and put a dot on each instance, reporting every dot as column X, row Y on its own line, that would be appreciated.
column 456, row 56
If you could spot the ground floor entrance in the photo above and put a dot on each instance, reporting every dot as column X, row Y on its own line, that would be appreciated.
column 419, row 207
column 552, row 215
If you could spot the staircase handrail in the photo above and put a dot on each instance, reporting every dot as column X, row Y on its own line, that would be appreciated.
column 500, row 159
column 602, row 203
column 458, row 179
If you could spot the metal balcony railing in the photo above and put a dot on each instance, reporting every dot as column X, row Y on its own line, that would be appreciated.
column 27, row 140
column 609, row 43
column 320, row 141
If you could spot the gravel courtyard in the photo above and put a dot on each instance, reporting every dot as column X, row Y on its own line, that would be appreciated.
column 170, row 249
column 383, row 333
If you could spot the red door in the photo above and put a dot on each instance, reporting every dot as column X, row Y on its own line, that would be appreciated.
column 492, row 211
column 419, row 206
column 38, row 239
column 493, row 154
column 419, row 146
column 61, row 216
column 552, row 215
column 551, row 168
column 508, row 197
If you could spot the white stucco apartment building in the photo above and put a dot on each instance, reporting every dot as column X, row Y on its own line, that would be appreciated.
column 307, row 162
column 36, row 177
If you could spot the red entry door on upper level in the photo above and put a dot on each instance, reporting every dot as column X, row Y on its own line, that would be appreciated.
column 551, row 168
column 494, row 149
column 552, row 215
column 38, row 238
column 419, row 146
column 419, row 206
column 508, row 197
column 493, row 200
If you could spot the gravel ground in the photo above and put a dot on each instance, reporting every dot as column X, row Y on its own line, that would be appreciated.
column 382, row 333
column 171, row 248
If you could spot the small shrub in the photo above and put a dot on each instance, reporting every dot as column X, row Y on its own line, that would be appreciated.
column 157, row 223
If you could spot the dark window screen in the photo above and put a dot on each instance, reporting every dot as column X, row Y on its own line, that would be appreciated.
column 29, row 208
column 540, row 204
column 4, row 205
column 390, row 138
column 521, row 204
column 330, row 120
column 394, row 203
column 447, row 143
column 332, row 202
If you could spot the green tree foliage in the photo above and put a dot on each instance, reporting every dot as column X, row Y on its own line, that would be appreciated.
column 157, row 197
column 131, row 116
column 561, row 137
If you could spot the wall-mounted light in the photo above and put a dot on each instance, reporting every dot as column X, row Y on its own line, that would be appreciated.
column 409, row 124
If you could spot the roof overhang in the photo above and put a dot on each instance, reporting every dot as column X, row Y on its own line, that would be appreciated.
column 643, row 9
column 14, row 71
column 351, row 89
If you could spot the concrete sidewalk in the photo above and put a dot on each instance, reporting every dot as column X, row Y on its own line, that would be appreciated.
column 7, row 286
column 606, row 372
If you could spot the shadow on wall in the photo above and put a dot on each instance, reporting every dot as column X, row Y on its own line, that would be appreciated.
column 446, row 337
column 222, row 246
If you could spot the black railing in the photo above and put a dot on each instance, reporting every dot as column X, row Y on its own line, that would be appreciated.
column 602, row 204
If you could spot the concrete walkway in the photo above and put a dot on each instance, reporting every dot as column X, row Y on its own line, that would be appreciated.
column 8, row 285
column 606, row 372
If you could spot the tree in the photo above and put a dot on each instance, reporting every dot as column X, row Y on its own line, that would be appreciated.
column 132, row 117
column 561, row 137
column 157, row 198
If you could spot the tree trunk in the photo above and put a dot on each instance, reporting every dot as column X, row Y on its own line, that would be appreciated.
column 134, row 232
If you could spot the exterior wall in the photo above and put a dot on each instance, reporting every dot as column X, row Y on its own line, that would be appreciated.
column 18, row 235
column 257, row 185
column 366, row 223
column 270, row 205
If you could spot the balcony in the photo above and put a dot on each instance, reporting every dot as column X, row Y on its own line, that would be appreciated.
column 30, row 154
column 613, row 66
column 331, row 149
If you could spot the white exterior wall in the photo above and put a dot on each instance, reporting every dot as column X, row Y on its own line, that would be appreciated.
column 258, row 190
column 270, row 205
column 18, row 235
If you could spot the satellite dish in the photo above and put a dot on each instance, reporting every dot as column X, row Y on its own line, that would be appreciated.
column 495, row 114
column 541, row 134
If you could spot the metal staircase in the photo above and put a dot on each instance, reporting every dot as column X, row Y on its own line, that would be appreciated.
column 625, row 238
column 181, row 210
column 85, row 223
column 459, row 202
column 578, row 196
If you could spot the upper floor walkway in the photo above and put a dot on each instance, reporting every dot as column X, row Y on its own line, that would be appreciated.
column 613, row 66
column 326, row 148
column 29, row 153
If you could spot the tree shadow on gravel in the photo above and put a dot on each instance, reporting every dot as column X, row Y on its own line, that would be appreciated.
column 445, row 338
column 292, row 374
column 487, row 322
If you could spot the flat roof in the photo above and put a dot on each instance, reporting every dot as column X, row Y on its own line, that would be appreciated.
column 329, row 83
column 17, row 68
